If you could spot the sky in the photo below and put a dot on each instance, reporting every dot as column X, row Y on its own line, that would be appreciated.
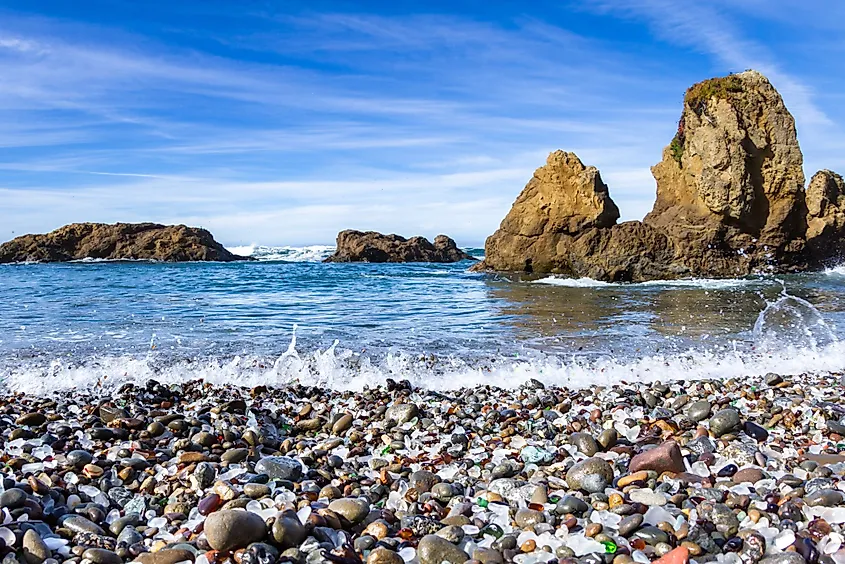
column 284, row 122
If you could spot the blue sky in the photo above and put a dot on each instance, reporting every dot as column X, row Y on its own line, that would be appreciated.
column 284, row 122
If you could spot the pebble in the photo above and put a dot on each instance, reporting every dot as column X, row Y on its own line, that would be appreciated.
column 353, row 510
column 591, row 475
column 436, row 550
column 724, row 421
column 279, row 468
column 397, row 474
column 699, row 410
column 35, row 551
column 101, row 556
column 665, row 457
column 229, row 529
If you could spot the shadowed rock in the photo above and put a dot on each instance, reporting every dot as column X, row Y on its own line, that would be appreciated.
column 369, row 246
column 120, row 241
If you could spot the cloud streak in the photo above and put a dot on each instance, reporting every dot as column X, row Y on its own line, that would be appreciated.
column 283, row 128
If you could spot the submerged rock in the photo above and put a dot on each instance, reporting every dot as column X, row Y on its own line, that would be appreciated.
column 369, row 246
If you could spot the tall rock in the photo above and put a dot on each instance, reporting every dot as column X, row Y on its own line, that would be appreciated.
column 730, row 185
column 826, row 215
column 730, row 201
column 564, row 196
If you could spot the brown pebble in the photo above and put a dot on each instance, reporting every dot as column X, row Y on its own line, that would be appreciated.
column 592, row 529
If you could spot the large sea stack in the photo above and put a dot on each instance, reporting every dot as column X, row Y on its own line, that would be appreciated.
column 370, row 246
column 120, row 241
column 730, row 201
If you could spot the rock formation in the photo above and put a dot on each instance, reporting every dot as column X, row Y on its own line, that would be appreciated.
column 730, row 201
column 369, row 246
column 121, row 241
column 826, row 213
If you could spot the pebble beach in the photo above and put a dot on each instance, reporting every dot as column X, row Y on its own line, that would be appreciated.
column 737, row 471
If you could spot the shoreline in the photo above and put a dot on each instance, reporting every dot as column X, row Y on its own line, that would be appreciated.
column 736, row 471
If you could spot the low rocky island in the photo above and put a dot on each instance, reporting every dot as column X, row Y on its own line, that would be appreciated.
column 730, row 202
column 119, row 241
column 737, row 472
column 369, row 246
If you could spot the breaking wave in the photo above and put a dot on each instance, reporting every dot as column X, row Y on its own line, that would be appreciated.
column 789, row 337
column 310, row 253
column 344, row 369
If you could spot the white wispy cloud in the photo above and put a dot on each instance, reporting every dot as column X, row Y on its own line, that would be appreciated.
column 298, row 126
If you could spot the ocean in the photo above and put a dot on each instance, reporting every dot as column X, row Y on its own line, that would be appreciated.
column 290, row 318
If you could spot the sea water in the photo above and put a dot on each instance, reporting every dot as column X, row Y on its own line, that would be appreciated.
column 290, row 318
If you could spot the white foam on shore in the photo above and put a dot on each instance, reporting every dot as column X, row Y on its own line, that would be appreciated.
column 696, row 283
column 573, row 282
column 345, row 370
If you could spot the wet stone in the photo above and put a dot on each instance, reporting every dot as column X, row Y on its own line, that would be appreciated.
column 630, row 524
column 235, row 455
column 591, row 475
column 423, row 480
column 825, row 498
column 230, row 529
column 665, row 457
column 724, row 421
column 279, row 468
column 699, row 410
column 527, row 518
column 33, row 419
column 102, row 556
column 79, row 524
column 433, row 549
column 35, row 551
column 353, row 510
column 79, row 458
column 571, row 504
column 755, row 431
column 12, row 498
column 651, row 535
column 585, row 443
column 401, row 413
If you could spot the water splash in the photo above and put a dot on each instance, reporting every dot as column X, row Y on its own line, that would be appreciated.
column 792, row 321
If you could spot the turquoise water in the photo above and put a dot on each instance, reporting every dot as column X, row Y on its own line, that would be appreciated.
column 349, row 325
